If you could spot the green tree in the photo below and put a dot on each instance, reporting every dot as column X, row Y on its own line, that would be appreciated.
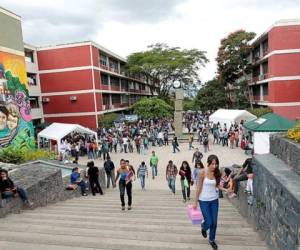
column 188, row 104
column 233, row 64
column 163, row 65
column 211, row 96
column 153, row 107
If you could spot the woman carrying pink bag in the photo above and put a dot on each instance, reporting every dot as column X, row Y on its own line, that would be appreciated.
column 207, row 196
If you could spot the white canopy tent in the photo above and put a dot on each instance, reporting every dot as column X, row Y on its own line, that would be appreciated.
column 230, row 116
column 57, row 131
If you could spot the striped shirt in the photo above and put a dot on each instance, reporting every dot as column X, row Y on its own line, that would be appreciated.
column 142, row 170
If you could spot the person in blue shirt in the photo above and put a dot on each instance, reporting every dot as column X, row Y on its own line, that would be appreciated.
column 76, row 179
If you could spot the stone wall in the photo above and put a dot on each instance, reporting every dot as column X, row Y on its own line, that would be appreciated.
column 286, row 150
column 275, row 212
column 43, row 184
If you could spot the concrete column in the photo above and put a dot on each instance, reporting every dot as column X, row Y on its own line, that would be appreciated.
column 261, row 92
column 178, row 112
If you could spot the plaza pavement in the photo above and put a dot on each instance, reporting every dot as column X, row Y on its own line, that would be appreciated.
column 227, row 157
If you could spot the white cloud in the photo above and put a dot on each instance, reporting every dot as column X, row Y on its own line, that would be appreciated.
column 126, row 26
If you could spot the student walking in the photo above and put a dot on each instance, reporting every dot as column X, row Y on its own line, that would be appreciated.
column 191, row 140
column 76, row 179
column 109, row 168
column 175, row 145
column 141, row 173
column 93, row 175
column 185, row 180
column 123, row 173
column 198, row 166
column 171, row 173
column 207, row 196
column 153, row 164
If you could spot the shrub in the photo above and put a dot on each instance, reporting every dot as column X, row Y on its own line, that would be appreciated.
column 294, row 133
column 260, row 111
column 17, row 156
column 107, row 120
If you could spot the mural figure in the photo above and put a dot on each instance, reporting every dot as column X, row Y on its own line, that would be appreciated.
column 16, row 129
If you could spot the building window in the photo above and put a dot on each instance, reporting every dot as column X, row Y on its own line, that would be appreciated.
column 125, row 99
column 256, row 54
column 137, row 86
column 131, row 85
column 114, row 81
column 116, row 99
column 143, row 86
column 113, row 65
column 105, row 99
column 29, row 56
column 103, row 60
column 265, row 89
column 256, row 72
column 265, row 47
column 34, row 102
column 104, row 79
column 31, row 79
column 124, row 84
column 265, row 68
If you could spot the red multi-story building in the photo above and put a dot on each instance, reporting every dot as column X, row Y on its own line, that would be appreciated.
column 275, row 78
column 81, row 81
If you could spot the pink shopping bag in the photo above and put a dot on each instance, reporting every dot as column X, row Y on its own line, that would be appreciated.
column 195, row 215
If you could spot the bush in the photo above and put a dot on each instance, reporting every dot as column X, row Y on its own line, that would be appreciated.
column 107, row 120
column 17, row 156
column 294, row 133
column 260, row 111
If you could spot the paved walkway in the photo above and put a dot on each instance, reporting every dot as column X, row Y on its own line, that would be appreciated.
column 158, row 219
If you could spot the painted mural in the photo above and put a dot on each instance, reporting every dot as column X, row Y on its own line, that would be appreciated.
column 16, row 129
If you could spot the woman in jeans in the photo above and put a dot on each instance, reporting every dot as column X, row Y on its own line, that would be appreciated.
column 9, row 190
column 125, row 183
column 207, row 196
column 185, row 173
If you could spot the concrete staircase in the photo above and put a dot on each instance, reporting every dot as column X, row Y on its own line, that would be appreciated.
column 158, row 220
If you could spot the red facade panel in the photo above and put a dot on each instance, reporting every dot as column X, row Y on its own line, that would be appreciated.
column 99, row 101
column 66, row 81
column 64, row 57
column 97, row 79
column 290, row 112
column 95, row 52
column 63, row 104
column 284, row 65
column 284, row 37
column 86, row 121
column 284, row 91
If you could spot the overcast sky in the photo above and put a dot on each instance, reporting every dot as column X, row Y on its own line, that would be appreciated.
column 126, row 26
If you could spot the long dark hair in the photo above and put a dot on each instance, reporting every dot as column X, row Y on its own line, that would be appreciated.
column 217, row 172
column 187, row 164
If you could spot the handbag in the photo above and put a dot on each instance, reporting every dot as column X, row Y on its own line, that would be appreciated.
column 195, row 215
column 185, row 183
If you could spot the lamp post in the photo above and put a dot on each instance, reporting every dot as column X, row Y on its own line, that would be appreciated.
column 178, row 109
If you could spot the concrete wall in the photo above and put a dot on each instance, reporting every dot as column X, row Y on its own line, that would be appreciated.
column 10, row 31
column 276, row 206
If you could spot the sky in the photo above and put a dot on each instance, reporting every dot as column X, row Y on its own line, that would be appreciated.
column 127, row 26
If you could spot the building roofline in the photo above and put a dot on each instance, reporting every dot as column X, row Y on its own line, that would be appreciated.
column 29, row 46
column 81, row 43
column 10, row 13
column 278, row 23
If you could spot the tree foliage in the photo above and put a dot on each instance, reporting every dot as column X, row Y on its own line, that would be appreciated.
column 232, row 56
column 107, row 120
column 163, row 65
column 211, row 96
column 260, row 111
column 233, row 64
column 153, row 107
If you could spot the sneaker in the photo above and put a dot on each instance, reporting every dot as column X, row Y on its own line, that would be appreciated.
column 29, row 203
column 84, row 194
column 232, row 196
column 123, row 208
column 129, row 207
column 213, row 244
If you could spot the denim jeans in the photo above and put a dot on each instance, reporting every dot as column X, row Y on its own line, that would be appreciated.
column 154, row 170
column 91, row 154
column 171, row 184
column 186, row 191
column 209, row 211
column 128, row 187
column 21, row 192
column 237, row 179
column 142, row 178
column 110, row 178
column 205, row 148
column 175, row 147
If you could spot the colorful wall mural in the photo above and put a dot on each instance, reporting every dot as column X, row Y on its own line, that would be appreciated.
column 16, row 129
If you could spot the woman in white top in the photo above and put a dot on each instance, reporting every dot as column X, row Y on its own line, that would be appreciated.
column 208, row 197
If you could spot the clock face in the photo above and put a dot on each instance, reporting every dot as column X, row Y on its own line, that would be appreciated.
column 176, row 84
